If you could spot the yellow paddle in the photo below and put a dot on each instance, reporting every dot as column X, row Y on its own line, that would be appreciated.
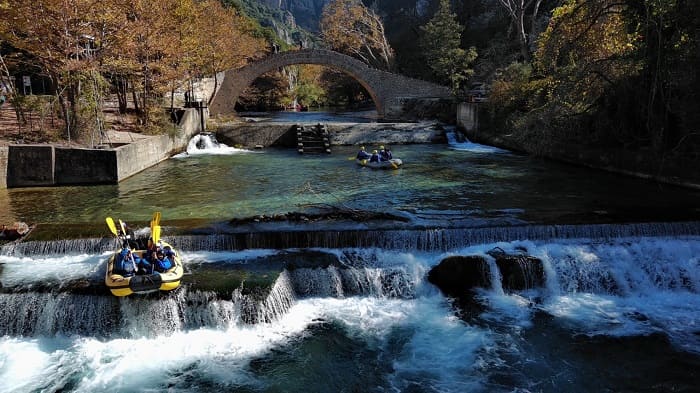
column 155, row 227
column 112, row 226
column 123, row 227
column 156, row 234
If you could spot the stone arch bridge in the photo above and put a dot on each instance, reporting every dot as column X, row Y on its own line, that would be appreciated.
column 390, row 92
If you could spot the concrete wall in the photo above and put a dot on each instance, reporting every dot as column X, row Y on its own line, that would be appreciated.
column 282, row 134
column 84, row 166
column 135, row 157
column 202, row 89
column 4, row 151
column 30, row 166
column 468, row 116
column 47, row 165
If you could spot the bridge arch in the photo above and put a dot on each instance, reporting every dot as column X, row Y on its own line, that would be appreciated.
column 386, row 89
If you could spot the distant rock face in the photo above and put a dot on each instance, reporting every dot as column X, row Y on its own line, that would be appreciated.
column 307, row 13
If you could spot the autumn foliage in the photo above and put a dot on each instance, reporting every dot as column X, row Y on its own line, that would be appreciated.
column 347, row 26
column 140, row 49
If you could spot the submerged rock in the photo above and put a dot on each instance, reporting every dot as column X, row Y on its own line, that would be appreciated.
column 331, row 214
column 459, row 276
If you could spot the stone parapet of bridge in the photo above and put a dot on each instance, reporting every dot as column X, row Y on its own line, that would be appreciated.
column 389, row 91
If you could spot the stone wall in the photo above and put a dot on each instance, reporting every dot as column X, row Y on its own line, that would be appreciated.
column 642, row 164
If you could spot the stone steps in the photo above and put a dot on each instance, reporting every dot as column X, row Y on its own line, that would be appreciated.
column 313, row 139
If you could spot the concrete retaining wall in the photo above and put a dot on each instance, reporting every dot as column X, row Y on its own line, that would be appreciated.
column 84, row 166
column 468, row 116
column 282, row 134
column 30, row 166
column 47, row 165
column 4, row 151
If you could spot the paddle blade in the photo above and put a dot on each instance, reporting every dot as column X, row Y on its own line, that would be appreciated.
column 122, row 226
column 156, row 234
column 155, row 221
column 112, row 226
column 351, row 158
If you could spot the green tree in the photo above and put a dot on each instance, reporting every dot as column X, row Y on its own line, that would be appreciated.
column 308, row 89
column 441, row 41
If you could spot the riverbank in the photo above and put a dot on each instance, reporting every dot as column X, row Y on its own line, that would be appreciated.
column 643, row 163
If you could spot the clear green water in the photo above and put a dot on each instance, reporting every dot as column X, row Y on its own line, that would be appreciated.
column 436, row 186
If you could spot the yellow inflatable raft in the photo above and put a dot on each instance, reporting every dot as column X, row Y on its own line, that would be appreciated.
column 143, row 283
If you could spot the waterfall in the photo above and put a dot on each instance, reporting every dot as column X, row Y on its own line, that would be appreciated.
column 202, row 141
column 206, row 143
column 341, row 282
column 457, row 141
column 621, row 268
column 428, row 239
column 278, row 301
column 31, row 313
column 407, row 239
column 53, row 247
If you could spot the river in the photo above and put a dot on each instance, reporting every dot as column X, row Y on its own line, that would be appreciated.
column 619, row 310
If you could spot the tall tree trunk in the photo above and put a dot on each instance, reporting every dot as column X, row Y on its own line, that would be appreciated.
column 135, row 99
column 216, row 86
column 9, row 85
column 122, row 93
column 517, row 10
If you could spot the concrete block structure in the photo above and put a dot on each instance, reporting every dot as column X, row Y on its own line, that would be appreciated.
column 48, row 165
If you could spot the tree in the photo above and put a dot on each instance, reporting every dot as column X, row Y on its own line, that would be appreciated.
column 585, row 51
column 349, row 27
column 228, row 43
column 518, row 13
column 441, row 41
column 56, row 36
column 308, row 89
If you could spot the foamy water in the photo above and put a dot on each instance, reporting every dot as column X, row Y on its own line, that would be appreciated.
column 204, row 145
column 618, row 288
column 470, row 146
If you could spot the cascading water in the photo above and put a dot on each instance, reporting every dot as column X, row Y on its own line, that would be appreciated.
column 375, row 301
column 207, row 144
column 464, row 144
